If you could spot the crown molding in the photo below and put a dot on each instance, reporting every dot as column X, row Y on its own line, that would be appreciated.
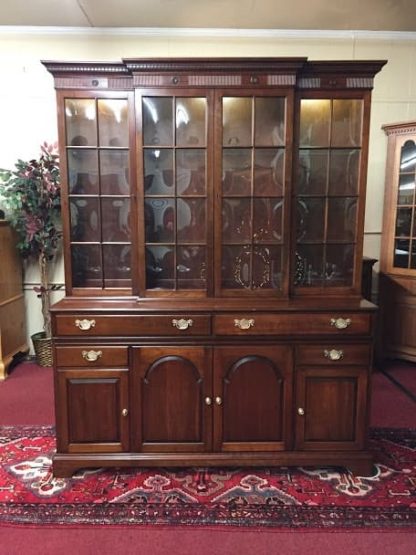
column 188, row 32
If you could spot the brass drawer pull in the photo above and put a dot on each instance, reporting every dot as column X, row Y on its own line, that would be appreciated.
column 182, row 323
column 91, row 356
column 301, row 411
column 334, row 354
column 85, row 324
column 124, row 412
column 244, row 323
column 341, row 323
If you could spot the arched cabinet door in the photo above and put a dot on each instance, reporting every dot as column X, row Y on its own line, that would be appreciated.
column 171, row 399
column 252, row 398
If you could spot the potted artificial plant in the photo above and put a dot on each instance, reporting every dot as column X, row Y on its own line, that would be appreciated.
column 32, row 199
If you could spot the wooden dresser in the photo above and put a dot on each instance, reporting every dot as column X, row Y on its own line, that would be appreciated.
column 213, row 221
column 12, row 303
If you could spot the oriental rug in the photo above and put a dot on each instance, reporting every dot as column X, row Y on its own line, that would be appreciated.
column 285, row 498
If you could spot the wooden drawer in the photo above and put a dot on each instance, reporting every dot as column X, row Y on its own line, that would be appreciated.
column 131, row 325
column 333, row 354
column 292, row 324
column 91, row 356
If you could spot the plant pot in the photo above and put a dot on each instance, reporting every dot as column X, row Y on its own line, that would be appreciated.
column 43, row 348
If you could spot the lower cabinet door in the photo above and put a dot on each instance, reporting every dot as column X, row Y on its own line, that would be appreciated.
column 252, row 398
column 331, row 408
column 171, row 399
column 94, row 416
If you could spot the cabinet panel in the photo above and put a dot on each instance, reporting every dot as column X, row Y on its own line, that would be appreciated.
column 94, row 417
column 252, row 396
column 171, row 411
column 330, row 408
column 96, row 325
column 276, row 324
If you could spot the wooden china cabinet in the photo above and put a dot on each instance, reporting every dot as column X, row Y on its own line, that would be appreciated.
column 398, row 252
column 213, row 217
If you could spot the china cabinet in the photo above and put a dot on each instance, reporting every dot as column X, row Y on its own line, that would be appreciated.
column 213, row 219
column 398, row 252
column 12, row 302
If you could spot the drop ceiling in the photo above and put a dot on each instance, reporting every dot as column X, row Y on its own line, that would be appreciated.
column 370, row 15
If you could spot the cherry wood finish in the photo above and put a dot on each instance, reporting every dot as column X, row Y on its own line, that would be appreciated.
column 397, row 285
column 213, row 219
column 12, row 303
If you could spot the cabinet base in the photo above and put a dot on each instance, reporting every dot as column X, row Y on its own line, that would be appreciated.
column 359, row 463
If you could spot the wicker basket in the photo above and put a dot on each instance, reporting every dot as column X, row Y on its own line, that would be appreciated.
column 43, row 349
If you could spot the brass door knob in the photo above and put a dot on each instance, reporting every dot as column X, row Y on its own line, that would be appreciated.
column 124, row 412
column 218, row 401
column 334, row 354
column 208, row 401
column 301, row 411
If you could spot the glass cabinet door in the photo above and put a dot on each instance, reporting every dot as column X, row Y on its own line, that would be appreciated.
column 252, row 177
column 98, row 170
column 326, row 193
column 175, row 191
column 405, row 225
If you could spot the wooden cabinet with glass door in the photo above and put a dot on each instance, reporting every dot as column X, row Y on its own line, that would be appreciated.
column 213, row 216
column 398, row 249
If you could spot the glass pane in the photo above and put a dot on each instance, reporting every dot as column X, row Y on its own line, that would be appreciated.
column 237, row 121
column 86, row 265
column 114, row 170
column 343, row 172
column 413, row 257
column 115, row 214
column 235, row 268
column 81, row 122
column 191, row 220
column 342, row 217
column 160, row 265
column 112, row 122
column 236, row 220
column 408, row 157
column 269, row 166
column 191, row 267
column 157, row 121
column 315, row 118
column 117, row 265
column 309, row 269
column 312, row 172
column 236, row 171
column 406, row 189
column 190, row 121
column 269, row 121
column 267, row 268
column 85, row 219
column 190, row 172
column 158, row 172
column 403, row 222
column 347, row 120
column 339, row 265
column 310, row 219
column 83, row 171
column 267, row 220
column 159, row 215
column 401, row 253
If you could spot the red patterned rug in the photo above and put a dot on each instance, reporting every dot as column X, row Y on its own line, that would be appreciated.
column 286, row 498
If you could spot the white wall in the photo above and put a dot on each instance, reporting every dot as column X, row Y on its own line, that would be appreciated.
column 27, row 97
